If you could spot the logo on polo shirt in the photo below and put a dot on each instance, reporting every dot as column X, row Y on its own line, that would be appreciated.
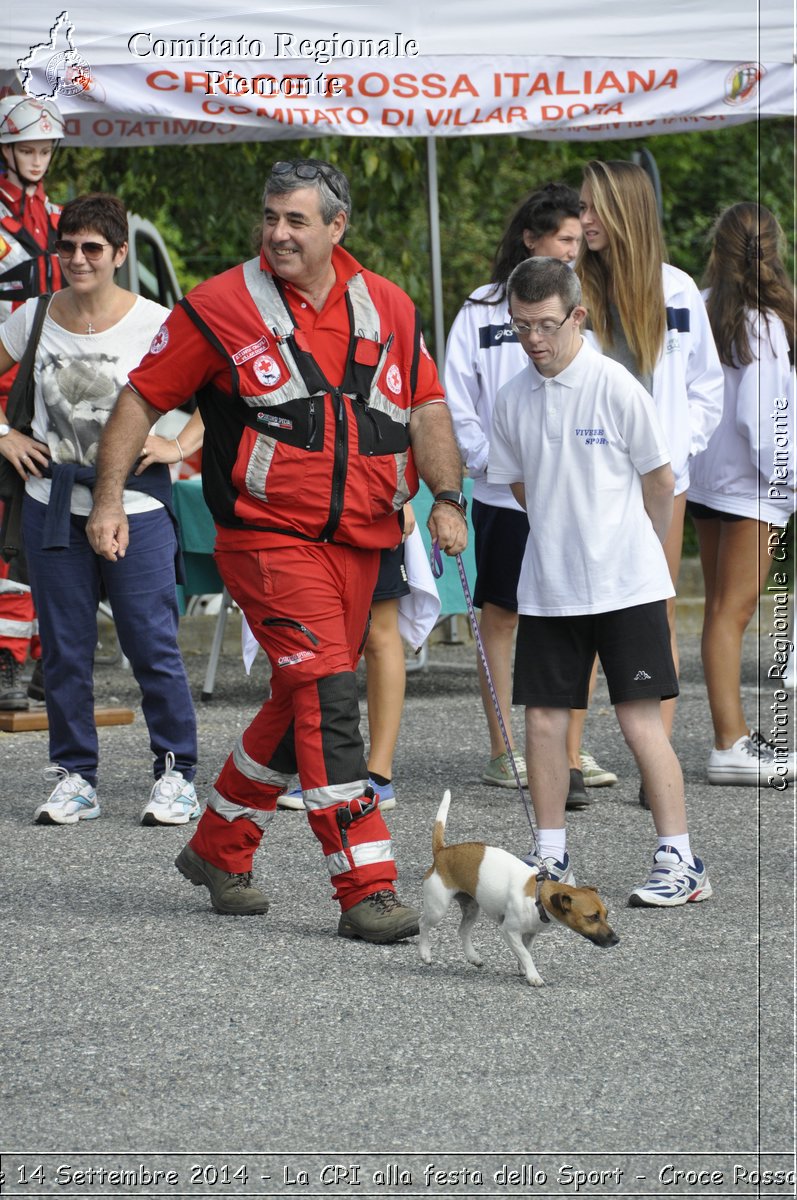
column 593, row 437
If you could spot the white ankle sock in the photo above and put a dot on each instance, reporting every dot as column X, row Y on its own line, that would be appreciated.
column 680, row 842
column 552, row 843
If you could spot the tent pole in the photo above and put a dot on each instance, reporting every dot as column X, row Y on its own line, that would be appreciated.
column 434, row 245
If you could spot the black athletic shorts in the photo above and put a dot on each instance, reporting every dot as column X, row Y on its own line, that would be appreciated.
column 499, row 542
column 702, row 512
column 554, row 656
column 391, row 582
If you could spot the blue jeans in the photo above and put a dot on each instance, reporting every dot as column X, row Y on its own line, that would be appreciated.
column 141, row 590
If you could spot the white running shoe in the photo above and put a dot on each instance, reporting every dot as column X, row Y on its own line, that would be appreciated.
column 672, row 881
column 750, row 760
column 72, row 799
column 172, row 800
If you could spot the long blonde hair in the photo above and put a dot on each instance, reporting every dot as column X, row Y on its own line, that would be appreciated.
column 628, row 271
column 745, row 271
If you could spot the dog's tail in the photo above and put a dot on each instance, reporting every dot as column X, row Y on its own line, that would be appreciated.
column 439, row 831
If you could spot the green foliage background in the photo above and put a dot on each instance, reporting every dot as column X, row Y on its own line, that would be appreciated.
column 205, row 200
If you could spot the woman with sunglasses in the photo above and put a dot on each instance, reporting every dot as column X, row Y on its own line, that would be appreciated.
column 650, row 317
column 93, row 335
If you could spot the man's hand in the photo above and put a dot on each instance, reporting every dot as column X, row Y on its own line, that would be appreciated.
column 108, row 531
column 448, row 527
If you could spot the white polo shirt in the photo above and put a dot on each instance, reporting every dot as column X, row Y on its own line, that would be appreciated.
column 579, row 443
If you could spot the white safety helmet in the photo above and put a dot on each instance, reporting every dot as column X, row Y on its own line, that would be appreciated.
column 26, row 119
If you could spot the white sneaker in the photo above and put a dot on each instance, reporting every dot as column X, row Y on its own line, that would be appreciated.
column 72, row 799
column 172, row 800
column 672, row 881
column 750, row 761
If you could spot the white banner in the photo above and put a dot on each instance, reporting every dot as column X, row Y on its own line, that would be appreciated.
column 153, row 100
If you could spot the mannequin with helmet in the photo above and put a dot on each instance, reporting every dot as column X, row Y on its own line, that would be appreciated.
column 30, row 130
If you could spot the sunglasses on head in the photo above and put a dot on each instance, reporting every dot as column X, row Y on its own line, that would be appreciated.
column 65, row 248
column 306, row 170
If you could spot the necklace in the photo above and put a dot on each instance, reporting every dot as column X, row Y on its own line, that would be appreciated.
column 90, row 328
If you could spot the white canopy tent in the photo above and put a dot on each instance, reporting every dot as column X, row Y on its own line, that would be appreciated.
column 205, row 71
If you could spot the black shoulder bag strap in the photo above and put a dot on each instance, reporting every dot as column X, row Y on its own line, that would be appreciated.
column 19, row 410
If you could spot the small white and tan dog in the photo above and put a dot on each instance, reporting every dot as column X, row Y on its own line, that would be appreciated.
column 484, row 877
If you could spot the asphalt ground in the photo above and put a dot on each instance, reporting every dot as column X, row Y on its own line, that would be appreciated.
column 142, row 1031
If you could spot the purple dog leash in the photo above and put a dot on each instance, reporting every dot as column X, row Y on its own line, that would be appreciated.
column 436, row 563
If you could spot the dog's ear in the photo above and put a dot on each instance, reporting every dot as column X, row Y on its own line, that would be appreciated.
column 561, row 901
column 589, row 888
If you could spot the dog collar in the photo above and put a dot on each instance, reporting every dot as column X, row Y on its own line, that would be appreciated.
column 544, row 917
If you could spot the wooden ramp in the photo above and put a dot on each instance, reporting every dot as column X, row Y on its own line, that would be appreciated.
column 23, row 721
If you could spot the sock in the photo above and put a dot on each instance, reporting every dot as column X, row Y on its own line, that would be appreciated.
column 378, row 778
column 552, row 843
column 680, row 842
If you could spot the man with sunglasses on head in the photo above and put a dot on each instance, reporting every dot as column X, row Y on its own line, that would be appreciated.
column 321, row 407
column 29, row 132
column 578, row 441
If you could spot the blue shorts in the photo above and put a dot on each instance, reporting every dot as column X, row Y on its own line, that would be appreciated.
column 554, row 657
column 499, row 541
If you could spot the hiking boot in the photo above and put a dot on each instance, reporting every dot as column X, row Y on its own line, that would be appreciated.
column 232, row 895
column 12, row 693
column 36, row 684
column 72, row 799
column 594, row 774
column 577, row 795
column 380, row 917
column 172, row 800
column 499, row 771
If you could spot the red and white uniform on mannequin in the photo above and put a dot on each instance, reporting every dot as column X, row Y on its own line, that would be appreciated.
column 29, row 267
column 306, row 466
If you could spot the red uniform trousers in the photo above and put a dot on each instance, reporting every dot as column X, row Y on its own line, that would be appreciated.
column 307, row 604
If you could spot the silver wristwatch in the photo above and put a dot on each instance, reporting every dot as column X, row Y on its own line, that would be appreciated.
column 4, row 429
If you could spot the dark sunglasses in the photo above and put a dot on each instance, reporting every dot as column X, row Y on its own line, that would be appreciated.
column 65, row 248
column 306, row 170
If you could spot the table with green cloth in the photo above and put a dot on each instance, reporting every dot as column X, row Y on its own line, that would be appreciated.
column 198, row 535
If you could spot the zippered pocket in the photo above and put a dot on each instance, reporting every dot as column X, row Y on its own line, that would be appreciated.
column 290, row 624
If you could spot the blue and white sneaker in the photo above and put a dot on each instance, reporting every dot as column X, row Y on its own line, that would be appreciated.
column 672, row 881
column 560, row 872
column 386, row 795
column 72, row 799
column 292, row 800
column 172, row 800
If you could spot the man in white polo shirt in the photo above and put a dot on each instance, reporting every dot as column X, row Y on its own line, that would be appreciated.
column 578, row 441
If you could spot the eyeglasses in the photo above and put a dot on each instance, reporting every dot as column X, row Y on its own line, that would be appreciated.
column 544, row 328
column 65, row 248
column 306, row 170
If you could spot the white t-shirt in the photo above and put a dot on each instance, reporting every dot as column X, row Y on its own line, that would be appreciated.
column 78, row 378
column 482, row 354
column 748, row 467
column 579, row 443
